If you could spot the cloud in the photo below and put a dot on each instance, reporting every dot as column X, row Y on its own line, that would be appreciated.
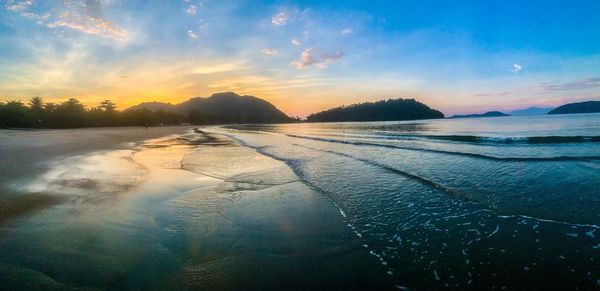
column 580, row 84
column 192, row 9
column 22, row 7
column 18, row 6
column 220, row 68
column 313, row 56
column 296, row 42
column 346, row 31
column 284, row 17
column 516, row 68
column 280, row 19
column 503, row 93
column 269, row 52
column 86, row 17
column 191, row 34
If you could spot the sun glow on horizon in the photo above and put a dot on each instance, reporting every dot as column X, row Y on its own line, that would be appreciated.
column 299, row 56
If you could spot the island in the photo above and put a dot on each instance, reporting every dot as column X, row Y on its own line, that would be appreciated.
column 383, row 110
column 487, row 114
column 531, row 111
column 580, row 107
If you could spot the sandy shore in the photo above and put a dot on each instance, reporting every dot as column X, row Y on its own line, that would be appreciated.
column 186, row 211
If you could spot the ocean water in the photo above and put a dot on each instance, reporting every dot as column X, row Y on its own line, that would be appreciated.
column 186, row 211
column 484, row 203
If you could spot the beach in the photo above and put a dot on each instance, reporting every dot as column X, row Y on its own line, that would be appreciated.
column 167, row 208
column 485, row 203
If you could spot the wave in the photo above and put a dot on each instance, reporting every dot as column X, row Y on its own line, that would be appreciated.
column 414, row 177
column 471, row 155
column 513, row 140
column 450, row 192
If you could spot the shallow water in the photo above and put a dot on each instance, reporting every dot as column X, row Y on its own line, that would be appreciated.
column 490, row 203
column 185, row 211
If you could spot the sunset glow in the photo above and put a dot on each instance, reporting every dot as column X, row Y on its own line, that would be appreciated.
column 302, row 56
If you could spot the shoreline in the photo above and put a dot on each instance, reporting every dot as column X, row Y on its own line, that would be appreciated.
column 227, row 217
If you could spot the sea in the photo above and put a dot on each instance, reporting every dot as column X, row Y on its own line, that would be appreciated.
column 498, row 203
column 501, row 203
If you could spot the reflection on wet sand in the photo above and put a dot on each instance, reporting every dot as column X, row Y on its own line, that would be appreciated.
column 25, row 205
column 195, row 210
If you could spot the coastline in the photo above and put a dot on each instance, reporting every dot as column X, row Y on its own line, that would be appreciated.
column 194, row 210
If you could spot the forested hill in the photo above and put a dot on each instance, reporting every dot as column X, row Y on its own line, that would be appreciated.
column 581, row 107
column 221, row 108
column 225, row 107
column 384, row 110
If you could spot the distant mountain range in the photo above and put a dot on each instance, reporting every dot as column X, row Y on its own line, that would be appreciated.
column 384, row 110
column 230, row 107
column 225, row 107
column 487, row 114
column 580, row 107
column 531, row 111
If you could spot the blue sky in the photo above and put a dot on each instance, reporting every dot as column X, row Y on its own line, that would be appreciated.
column 303, row 56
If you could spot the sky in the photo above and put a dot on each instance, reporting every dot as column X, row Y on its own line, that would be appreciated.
column 303, row 56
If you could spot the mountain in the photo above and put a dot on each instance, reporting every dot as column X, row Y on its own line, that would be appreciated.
column 384, row 110
column 154, row 106
column 531, row 111
column 487, row 114
column 225, row 107
column 581, row 107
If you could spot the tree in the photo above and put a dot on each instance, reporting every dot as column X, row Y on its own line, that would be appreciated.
column 36, row 104
column 36, row 111
column 73, row 114
column 70, row 114
column 14, row 114
column 108, row 106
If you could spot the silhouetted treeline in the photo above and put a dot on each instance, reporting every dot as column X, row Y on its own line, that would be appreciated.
column 72, row 114
column 384, row 110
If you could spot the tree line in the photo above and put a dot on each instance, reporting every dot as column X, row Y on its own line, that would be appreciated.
column 72, row 114
column 383, row 110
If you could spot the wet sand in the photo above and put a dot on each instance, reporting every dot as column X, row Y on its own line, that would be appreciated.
column 188, row 211
column 27, row 153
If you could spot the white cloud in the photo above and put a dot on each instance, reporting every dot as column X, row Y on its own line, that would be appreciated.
column 19, row 5
column 192, row 34
column 281, row 18
column 346, row 31
column 284, row 17
column 269, row 52
column 86, row 17
column 313, row 56
column 192, row 9
column 296, row 42
column 516, row 68
column 22, row 7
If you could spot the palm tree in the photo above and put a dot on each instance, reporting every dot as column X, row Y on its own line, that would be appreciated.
column 36, row 109
column 36, row 103
column 108, row 106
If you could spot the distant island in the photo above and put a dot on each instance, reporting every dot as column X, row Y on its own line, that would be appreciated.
column 531, row 111
column 580, row 107
column 384, row 110
column 487, row 114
